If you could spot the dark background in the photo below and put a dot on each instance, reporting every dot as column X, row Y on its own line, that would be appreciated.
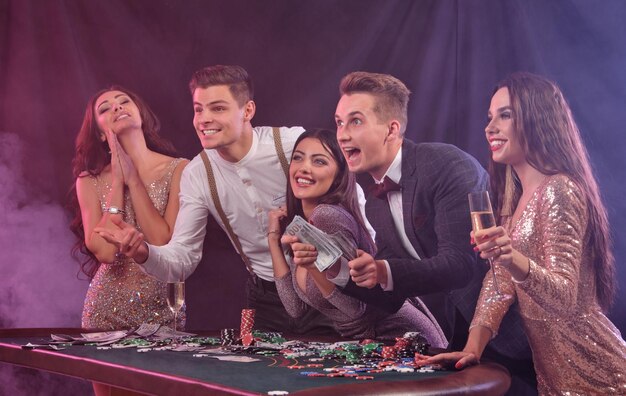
column 55, row 54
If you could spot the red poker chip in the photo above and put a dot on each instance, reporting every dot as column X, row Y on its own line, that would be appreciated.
column 247, row 339
column 364, row 377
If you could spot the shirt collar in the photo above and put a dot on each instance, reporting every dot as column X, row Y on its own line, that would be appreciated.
column 394, row 172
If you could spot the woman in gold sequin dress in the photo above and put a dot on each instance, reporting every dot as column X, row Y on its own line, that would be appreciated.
column 552, row 252
column 123, row 169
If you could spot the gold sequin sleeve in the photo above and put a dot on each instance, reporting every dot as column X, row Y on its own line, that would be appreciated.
column 550, row 231
column 489, row 313
column 562, row 221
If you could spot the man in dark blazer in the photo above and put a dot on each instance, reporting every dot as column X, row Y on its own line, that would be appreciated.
column 419, row 210
column 422, row 225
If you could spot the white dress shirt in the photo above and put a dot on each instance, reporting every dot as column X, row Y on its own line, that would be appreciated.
column 248, row 189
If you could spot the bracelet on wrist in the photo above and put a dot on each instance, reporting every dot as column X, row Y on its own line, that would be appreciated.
column 114, row 210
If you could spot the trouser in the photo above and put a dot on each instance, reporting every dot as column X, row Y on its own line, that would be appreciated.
column 271, row 315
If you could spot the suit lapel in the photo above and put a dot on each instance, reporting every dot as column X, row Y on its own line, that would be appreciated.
column 408, row 182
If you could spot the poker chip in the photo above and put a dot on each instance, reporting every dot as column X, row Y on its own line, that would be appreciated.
column 277, row 392
column 247, row 321
column 388, row 352
column 227, row 337
column 403, row 369
column 247, row 339
column 364, row 377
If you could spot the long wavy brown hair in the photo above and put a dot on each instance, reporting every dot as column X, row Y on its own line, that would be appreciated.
column 92, row 156
column 342, row 191
column 552, row 144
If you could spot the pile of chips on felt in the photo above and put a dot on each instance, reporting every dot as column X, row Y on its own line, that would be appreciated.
column 363, row 358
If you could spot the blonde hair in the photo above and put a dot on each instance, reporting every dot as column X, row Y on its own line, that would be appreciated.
column 392, row 96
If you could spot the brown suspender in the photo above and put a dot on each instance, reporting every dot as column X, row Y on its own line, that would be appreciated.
column 216, row 198
column 279, row 150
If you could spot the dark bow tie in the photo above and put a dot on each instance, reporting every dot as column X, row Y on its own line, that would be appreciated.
column 381, row 190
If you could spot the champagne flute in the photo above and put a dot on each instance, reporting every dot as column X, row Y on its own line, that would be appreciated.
column 176, row 293
column 482, row 218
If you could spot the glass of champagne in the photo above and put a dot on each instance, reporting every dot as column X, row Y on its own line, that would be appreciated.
column 176, row 293
column 482, row 218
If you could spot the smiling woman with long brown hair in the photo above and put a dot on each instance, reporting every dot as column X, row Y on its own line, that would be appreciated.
column 552, row 252
column 123, row 170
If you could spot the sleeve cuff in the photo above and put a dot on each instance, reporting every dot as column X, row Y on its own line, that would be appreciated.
column 342, row 278
column 389, row 285
column 531, row 264
column 148, row 265
column 493, row 333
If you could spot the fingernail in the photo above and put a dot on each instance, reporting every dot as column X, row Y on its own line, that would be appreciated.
column 472, row 241
column 458, row 365
column 475, row 248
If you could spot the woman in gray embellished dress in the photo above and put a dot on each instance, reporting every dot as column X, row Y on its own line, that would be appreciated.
column 322, row 190
column 124, row 171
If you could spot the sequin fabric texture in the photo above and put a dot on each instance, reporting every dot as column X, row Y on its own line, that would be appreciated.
column 121, row 295
column 576, row 349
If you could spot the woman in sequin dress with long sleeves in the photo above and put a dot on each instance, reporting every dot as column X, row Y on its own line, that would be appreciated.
column 321, row 190
column 552, row 252
column 124, row 171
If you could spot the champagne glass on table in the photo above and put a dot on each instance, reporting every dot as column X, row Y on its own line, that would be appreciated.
column 482, row 218
column 176, row 293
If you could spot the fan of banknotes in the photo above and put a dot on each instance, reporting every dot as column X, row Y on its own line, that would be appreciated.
column 329, row 247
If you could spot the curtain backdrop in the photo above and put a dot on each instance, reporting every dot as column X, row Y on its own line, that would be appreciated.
column 55, row 54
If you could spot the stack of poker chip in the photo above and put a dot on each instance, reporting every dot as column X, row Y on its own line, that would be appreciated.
column 402, row 348
column 417, row 343
column 351, row 353
column 247, row 323
column 370, row 349
column 227, row 336
column 389, row 352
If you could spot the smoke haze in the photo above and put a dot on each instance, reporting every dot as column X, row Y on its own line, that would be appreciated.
column 38, row 282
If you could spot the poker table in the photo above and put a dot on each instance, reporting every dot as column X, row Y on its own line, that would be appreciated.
column 180, row 373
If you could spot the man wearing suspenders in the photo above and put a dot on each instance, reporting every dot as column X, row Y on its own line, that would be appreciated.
column 238, row 177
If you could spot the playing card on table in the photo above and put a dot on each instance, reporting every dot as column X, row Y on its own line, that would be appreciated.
column 327, row 251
